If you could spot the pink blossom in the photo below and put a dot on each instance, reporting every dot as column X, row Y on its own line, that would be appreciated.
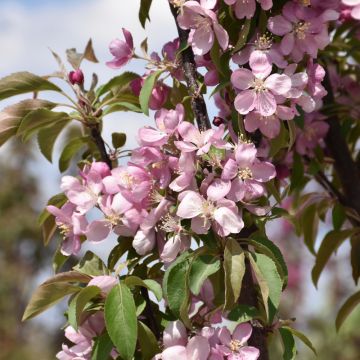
column 223, row 214
column 233, row 346
column 313, row 133
column 258, row 90
column 355, row 7
column 82, row 339
column 268, row 125
column 247, row 173
column 247, row 8
column 167, row 122
column 72, row 226
column 104, row 282
column 303, row 30
column 123, row 51
column 204, row 25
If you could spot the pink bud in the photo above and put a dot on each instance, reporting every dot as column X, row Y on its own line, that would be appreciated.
column 76, row 77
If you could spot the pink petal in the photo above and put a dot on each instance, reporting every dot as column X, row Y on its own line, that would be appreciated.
column 266, row 103
column 218, row 189
column 200, row 225
column 175, row 334
column 287, row 43
column 149, row 136
column 202, row 40
column 242, row 333
column 228, row 220
column 198, row 348
column 98, row 230
column 278, row 25
column 128, row 37
column 105, row 283
column 278, row 84
column 230, row 170
column 245, row 101
column 259, row 63
column 225, row 336
column 249, row 353
column 245, row 154
column 221, row 35
column 171, row 249
column 242, row 79
column 252, row 121
column 144, row 242
column 190, row 206
column 174, row 352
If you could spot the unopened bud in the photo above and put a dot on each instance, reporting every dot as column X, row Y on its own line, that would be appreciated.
column 218, row 121
column 76, row 77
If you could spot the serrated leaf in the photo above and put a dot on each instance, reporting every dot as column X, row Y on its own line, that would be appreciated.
column 47, row 137
column 243, row 313
column 174, row 283
column 350, row 304
column 331, row 242
column 270, row 274
column 302, row 337
column 118, row 251
column 24, row 82
column 234, row 267
column 152, row 285
column 47, row 295
column 121, row 320
column 11, row 116
column 91, row 265
column 201, row 268
column 38, row 119
column 118, row 82
column 70, row 150
column 118, row 139
column 289, row 344
column 145, row 6
column 89, row 53
column 102, row 347
column 146, row 90
column 79, row 302
column 147, row 341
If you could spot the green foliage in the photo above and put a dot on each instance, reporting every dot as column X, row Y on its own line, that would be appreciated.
column 121, row 320
column 147, row 341
column 102, row 347
column 289, row 344
column 347, row 308
column 147, row 89
column 145, row 6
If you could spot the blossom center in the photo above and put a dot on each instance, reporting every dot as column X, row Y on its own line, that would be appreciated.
column 127, row 179
column 113, row 219
column 300, row 29
column 208, row 208
column 235, row 345
column 245, row 173
column 258, row 85
column 65, row 230
column 170, row 224
column 203, row 22
column 264, row 42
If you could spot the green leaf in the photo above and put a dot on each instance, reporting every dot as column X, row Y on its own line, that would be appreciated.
column 46, row 296
column 48, row 229
column 38, row 119
column 70, row 150
column 289, row 344
column 243, row 36
column 57, row 200
column 118, row 251
column 24, row 82
column 118, row 139
column 267, row 247
column 350, row 304
column 79, row 302
column 152, row 285
column 270, row 274
column 147, row 89
column 58, row 260
column 117, row 82
column 174, row 284
column 310, row 224
column 11, row 116
column 201, row 268
column 122, row 106
column 243, row 313
column 91, row 265
column 338, row 216
column 355, row 257
column 145, row 6
column 331, row 242
column 121, row 320
column 292, row 133
column 234, row 267
column 47, row 137
column 102, row 347
column 302, row 337
column 148, row 342
column 68, row 276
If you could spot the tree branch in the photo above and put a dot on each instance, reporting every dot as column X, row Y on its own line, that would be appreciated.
column 198, row 104
column 345, row 166
column 248, row 291
column 99, row 141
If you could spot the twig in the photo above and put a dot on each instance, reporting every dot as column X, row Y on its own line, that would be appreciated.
column 99, row 141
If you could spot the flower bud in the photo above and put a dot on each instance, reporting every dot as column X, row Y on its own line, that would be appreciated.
column 218, row 121
column 76, row 77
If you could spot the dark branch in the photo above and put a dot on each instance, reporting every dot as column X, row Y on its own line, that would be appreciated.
column 99, row 141
column 149, row 314
column 198, row 104
column 345, row 166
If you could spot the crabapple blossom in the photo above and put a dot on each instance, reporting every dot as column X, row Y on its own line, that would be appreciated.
column 123, row 51
column 204, row 27
column 355, row 8
column 258, row 91
column 246, row 8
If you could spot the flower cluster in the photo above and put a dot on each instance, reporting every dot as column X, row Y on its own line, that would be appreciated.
column 208, row 343
column 177, row 173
